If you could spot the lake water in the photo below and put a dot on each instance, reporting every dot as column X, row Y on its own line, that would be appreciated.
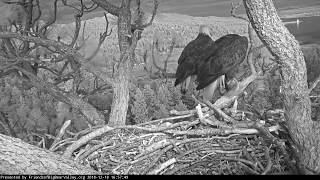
column 308, row 30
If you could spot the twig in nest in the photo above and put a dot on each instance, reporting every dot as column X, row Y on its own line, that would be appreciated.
column 156, row 159
column 188, row 112
column 220, row 112
column 145, row 156
column 191, row 124
column 82, row 151
column 163, row 166
column 62, row 143
column 158, row 145
column 240, row 160
column 179, row 168
column 215, row 108
column 221, row 131
column 202, row 132
column 197, row 101
column 60, row 135
column 83, row 140
column 114, row 171
column 259, row 165
column 168, row 144
column 248, row 169
column 166, row 119
column 269, row 138
column 93, row 149
column 202, row 118
column 269, row 162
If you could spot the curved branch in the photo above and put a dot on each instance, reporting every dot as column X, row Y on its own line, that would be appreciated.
column 62, row 48
column 107, row 6
column 85, row 108
column 102, row 37
column 233, row 11
column 154, row 12
column 42, row 30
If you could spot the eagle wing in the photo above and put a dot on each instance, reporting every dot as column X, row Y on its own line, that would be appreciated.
column 191, row 55
column 229, row 52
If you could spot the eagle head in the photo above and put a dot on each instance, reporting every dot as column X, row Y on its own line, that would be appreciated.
column 204, row 30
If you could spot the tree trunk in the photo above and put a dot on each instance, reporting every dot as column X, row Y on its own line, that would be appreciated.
column 294, row 88
column 18, row 157
column 121, row 85
column 120, row 97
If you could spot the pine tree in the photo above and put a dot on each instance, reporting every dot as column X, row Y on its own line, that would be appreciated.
column 139, row 107
column 151, row 100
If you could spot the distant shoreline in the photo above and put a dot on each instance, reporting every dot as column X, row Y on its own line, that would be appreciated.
column 300, row 12
column 302, row 15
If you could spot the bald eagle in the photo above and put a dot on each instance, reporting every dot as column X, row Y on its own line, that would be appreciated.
column 191, row 55
column 227, row 53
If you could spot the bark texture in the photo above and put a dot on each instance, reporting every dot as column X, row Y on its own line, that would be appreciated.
column 18, row 157
column 294, row 88
column 121, row 84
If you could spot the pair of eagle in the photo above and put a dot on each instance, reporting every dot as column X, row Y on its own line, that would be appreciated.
column 212, row 63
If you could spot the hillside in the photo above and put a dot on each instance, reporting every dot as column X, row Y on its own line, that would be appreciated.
column 182, row 28
column 166, row 27
column 219, row 147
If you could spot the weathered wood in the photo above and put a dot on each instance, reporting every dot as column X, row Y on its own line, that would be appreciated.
column 18, row 157
column 121, row 85
column 294, row 88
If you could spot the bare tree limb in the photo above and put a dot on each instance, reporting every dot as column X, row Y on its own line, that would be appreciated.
column 234, row 7
column 101, row 38
column 62, row 48
column 163, row 70
column 86, row 109
column 43, row 29
column 107, row 6
column 78, row 25
column 154, row 12
column 314, row 84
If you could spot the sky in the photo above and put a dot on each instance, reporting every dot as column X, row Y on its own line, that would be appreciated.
column 219, row 8
column 205, row 7
column 222, row 7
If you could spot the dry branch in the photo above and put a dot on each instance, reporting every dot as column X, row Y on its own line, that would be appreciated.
column 61, row 133
column 234, row 7
column 269, row 162
column 101, row 38
column 154, row 12
column 163, row 166
column 188, row 112
column 63, row 49
column 314, row 84
column 107, row 6
column 93, row 116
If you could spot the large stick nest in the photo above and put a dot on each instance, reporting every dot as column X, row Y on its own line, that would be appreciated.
column 192, row 142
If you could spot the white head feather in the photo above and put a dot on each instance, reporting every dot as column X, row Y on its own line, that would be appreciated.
column 204, row 30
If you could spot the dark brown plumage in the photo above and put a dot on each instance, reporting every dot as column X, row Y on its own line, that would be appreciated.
column 195, row 52
column 228, row 52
